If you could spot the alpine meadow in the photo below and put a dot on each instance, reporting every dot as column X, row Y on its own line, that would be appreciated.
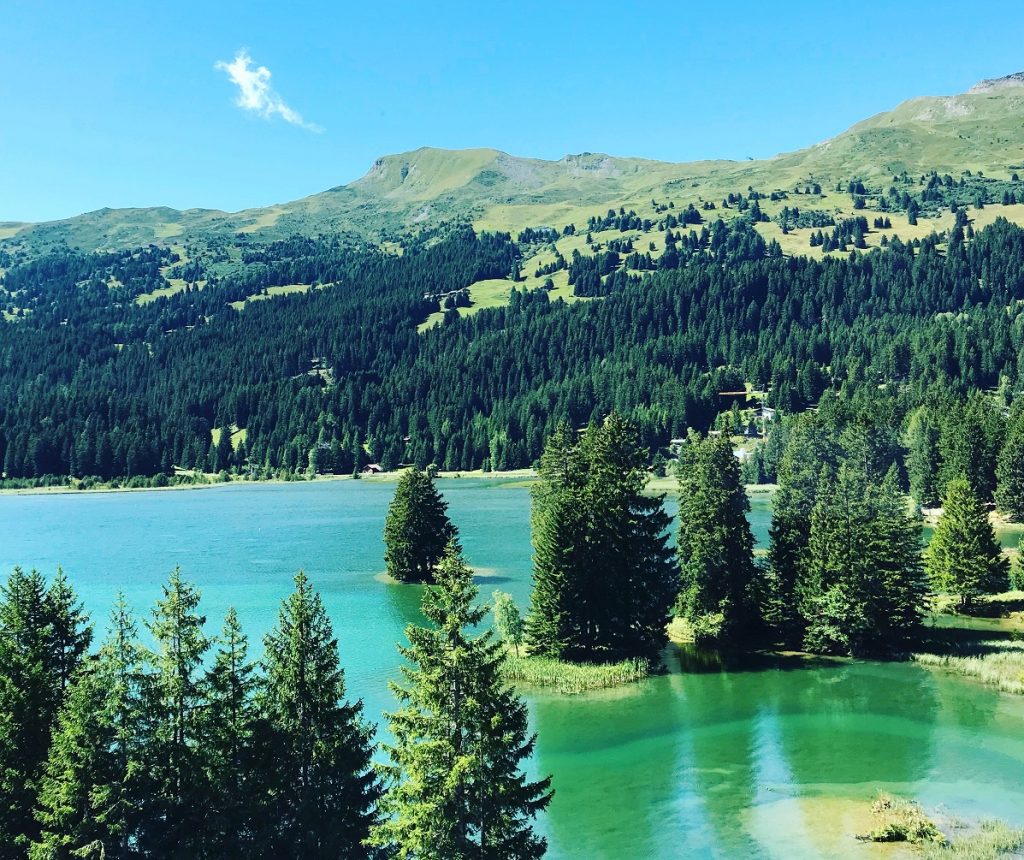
column 566, row 507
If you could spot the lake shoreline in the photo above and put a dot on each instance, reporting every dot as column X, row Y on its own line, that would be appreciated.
column 655, row 484
column 382, row 477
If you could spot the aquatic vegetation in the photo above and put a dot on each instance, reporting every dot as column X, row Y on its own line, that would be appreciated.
column 573, row 678
column 998, row 663
column 992, row 840
column 902, row 820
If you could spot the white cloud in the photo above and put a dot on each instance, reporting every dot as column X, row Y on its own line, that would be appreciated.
column 255, row 93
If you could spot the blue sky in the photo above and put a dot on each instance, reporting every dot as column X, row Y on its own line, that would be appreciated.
column 123, row 104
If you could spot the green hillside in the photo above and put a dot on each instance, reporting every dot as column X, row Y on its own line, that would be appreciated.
column 981, row 131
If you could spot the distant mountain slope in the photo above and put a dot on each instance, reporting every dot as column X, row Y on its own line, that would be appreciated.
column 981, row 130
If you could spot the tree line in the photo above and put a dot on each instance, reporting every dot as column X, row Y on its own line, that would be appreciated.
column 327, row 379
column 187, row 747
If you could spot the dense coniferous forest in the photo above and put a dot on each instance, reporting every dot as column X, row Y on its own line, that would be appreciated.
column 184, row 746
column 96, row 384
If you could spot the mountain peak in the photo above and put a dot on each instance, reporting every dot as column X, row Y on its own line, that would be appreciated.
column 993, row 84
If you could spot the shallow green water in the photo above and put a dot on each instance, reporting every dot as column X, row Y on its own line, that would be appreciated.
column 772, row 760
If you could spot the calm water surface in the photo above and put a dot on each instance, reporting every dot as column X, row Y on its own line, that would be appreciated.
column 774, row 760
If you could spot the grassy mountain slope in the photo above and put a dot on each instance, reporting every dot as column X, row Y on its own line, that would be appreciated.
column 981, row 130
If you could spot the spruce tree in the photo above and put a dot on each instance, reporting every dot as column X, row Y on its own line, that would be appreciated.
column 922, row 441
column 862, row 592
column 417, row 528
column 964, row 558
column 604, row 576
column 232, row 781
column 558, row 529
column 461, row 735
column 43, row 636
column 811, row 455
column 1010, row 470
column 94, row 775
column 175, row 702
column 715, row 545
column 322, row 792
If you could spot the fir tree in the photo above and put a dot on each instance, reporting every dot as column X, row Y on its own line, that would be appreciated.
column 604, row 577
column 1010, row 470
column 322, row 793
column 862, row 592
column 461, row 736
column 964, row 558
column 558, row 529
column 810, row 456
column 43, row 636
column 232, row 781
column 715, row 544
column 922, row 441
column 94, row 776
column 417, row 528
column 174, row 702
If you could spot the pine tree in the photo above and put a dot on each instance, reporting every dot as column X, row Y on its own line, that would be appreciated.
column 1010, row 470
column 228, row 734
column 94, row 776
column 322, row 793
column 461, row 736
column 417, row 528
column 175, row 701
column 964, row 557
column 715, row 544
column 43, row 636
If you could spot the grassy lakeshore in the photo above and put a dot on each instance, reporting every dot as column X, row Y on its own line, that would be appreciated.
column 986, row 646
column 207, row 480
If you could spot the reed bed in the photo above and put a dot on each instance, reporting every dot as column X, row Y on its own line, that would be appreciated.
column 997, row 663
column 573, row 678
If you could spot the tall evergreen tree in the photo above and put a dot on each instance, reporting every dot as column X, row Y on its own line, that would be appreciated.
column 417, row 528
column 559, row 532
column 43, row 636
column 94, row 774
column 922, row 441
column 715, row 544
column 322, row 791
column 230, row 720
column 1010, row 469
column 964, row 558
column 862, row 592
column 461, row 736
column 175, row 701
column 604, row 576
column 811, row 455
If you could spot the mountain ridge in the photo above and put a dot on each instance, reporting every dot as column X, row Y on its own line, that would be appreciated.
column 979, row 130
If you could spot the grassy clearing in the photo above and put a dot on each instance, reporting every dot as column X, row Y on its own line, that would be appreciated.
column 238, row 436
column 271, row 292
column 573, row 678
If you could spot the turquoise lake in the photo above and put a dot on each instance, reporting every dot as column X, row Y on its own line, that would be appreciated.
column 777, row 759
